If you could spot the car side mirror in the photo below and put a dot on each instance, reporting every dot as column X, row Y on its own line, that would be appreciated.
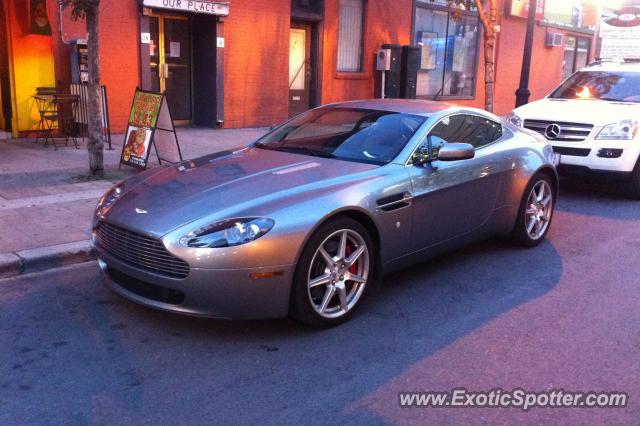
column 456, row 151
column 422, row 155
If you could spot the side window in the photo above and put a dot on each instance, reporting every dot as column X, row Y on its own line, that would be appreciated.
column 493, row 130
column 472, row 129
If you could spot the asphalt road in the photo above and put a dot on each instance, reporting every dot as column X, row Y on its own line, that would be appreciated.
column 563, row 315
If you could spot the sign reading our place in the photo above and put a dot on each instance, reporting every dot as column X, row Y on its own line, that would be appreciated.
column 198, row 6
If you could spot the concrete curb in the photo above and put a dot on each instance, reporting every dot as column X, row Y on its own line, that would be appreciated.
column 43, row 258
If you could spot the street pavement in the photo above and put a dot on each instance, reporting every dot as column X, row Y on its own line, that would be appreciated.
column 562, row 315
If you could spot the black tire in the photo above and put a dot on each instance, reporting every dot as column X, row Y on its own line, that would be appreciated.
column 302, row 306
column 633, row 188
column 521, row 235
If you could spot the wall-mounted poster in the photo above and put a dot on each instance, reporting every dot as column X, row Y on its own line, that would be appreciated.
column 573, row 14
column 521, row 8
column 429, row 43
column 620, row 32
column 150, row 124
column 38, row 18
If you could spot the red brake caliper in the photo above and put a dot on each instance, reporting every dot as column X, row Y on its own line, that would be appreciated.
column 353, row 269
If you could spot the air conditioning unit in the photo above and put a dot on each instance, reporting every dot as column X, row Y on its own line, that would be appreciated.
column 554, row 39
column 383, row 60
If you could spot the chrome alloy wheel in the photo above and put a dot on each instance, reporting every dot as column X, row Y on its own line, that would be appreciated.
column 338, row 273
column 539, row 210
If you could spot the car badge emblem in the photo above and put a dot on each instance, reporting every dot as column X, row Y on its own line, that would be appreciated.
column 140, row 211
column 552, row 131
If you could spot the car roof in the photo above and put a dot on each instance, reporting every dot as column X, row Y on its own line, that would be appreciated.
column 406, row 106
column 613, row 66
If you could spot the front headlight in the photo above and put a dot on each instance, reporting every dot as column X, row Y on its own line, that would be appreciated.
column 228, row 233
column 106, row 201
column 514, row 119
column 622, row 130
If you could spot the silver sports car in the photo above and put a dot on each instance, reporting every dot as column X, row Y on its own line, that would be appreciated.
column 303, row 221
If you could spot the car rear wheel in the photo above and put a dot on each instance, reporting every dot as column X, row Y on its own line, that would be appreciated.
column 536, row 211
column 333, row 274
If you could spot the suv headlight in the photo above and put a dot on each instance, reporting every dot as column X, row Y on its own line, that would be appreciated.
column 622, row 130
column 228, row 233
column 514, row 119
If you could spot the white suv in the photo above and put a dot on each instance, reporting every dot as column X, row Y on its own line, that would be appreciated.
column 592, row 120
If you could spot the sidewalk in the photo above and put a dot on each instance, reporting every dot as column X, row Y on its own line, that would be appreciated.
column 47, row 198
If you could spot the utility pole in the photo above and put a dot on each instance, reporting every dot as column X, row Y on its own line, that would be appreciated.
column 523, row 92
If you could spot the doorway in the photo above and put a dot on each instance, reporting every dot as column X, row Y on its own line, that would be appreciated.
column 576, row 55
column 302, row 67
column 170, row 62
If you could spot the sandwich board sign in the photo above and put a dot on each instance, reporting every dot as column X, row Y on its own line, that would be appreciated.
column 150, row 124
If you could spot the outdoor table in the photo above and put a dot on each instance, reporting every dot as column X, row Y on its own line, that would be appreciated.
column 56, row 108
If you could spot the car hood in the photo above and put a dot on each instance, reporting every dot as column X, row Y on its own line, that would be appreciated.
column 598, row 113
column 225, row 183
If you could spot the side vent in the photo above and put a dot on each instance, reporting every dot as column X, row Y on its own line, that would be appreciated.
column 394, row 202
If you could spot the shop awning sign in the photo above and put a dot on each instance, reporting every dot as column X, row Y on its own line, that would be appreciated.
column 195, row 6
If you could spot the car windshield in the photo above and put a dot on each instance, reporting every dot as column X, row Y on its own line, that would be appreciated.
column 361, row 135
column 622, row 86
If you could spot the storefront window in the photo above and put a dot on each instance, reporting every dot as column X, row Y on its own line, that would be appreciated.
column 449, row 52
column 350, row 35
column 576, row 55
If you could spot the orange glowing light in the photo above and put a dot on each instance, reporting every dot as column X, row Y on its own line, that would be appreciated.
column 584, row 93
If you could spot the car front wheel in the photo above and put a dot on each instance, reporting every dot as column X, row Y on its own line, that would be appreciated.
column 333, row 273
column 536, row 211
column 634, row 183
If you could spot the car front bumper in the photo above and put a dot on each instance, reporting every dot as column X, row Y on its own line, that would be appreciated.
column 216, row 293
column 573, row 154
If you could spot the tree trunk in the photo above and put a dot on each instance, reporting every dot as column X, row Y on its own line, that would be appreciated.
column 95, row 143
column 489, row 26
column 489, row 70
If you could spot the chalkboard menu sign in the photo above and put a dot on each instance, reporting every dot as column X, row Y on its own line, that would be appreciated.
column 150, row 124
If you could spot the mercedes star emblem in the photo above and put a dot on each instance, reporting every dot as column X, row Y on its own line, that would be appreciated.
column 552, row 131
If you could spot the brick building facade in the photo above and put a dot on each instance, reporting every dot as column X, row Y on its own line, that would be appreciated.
column 255, row 62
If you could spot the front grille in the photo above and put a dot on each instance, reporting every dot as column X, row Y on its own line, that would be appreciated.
column 569, row 132
column 576, row 152
column 140, row 251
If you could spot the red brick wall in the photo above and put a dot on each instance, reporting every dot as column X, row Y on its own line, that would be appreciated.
column 119, row 57
column 546, row 64
column 256, row 62
column 386, row 21
column 257, row 58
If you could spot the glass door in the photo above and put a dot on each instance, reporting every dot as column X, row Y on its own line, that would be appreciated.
column 576, row 55
column 170, row 50
column 300, row 71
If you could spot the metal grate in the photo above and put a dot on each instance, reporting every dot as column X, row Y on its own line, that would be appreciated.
column 569, row 132
column 140, row 250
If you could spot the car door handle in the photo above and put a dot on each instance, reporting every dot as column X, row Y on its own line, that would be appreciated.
column 395, row 201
